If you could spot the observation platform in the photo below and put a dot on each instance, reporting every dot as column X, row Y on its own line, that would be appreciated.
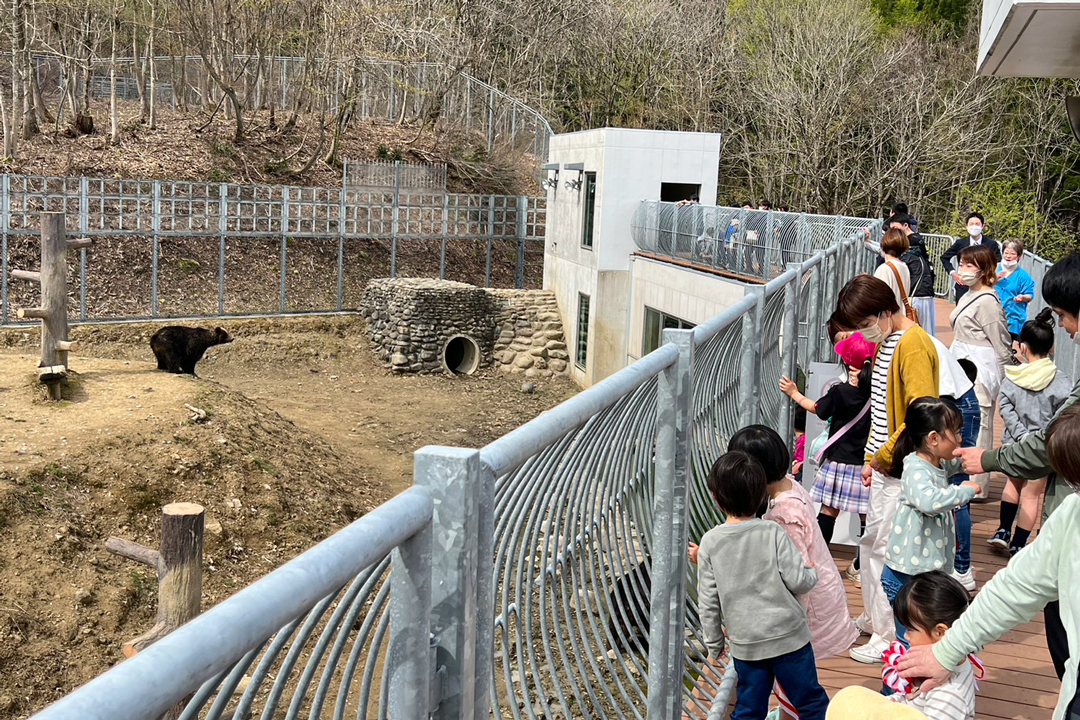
column 1020, row 681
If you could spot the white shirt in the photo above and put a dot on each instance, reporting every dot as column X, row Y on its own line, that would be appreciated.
column 955, row 700
column 952, row 380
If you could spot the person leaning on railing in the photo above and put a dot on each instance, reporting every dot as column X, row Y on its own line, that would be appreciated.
column 1046, row 571
column 1028, row 459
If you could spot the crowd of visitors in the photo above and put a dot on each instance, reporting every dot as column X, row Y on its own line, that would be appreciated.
column 909, row 444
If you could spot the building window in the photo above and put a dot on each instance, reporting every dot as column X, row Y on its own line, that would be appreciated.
column 581, row 350
column 655, row 324
column 590, row 210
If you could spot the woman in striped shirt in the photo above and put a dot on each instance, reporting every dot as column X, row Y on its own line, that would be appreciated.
column 905, row 368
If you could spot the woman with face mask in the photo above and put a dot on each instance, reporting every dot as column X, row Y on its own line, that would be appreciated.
column 981, row 335
column 905, row 367
column 1015, row 287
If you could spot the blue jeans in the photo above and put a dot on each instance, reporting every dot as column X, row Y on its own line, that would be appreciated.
column 797, row 675
column 892, row 581
column 968, row 405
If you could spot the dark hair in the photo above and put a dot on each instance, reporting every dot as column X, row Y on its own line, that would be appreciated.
column 929, row 599
column 970, row 369
column 863, row 296
column 924, row 416
column 746, row 204
column 974, row 215
column 737, row 483
column 900, row 217
column 894, row 242
column 1038, row 334
column 899, row 209
column 1062, row 443
column 1061, row 286
column 766, row 203
column 800, row 418
column 984, row 258
column 834, row 326
column 766, row 446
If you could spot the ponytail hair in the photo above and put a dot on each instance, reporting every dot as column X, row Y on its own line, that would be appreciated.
column 1038, row 334
column 924, row 416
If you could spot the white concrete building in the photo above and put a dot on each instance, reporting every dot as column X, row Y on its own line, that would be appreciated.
column 1030, row 38
column 615, row 303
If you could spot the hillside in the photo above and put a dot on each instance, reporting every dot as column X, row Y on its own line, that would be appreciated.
column 194, row 146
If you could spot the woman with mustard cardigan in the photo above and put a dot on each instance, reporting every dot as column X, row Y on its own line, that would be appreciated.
column 905, row 368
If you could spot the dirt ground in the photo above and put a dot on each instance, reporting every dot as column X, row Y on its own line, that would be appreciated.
column 306, row 432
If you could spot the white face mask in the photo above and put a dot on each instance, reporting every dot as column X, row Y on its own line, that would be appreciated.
column 874, row 334
column 974, row 230
column 969, row 278
column 1010, row 264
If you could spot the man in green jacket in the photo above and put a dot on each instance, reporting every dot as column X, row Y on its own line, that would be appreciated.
column 1027, row 458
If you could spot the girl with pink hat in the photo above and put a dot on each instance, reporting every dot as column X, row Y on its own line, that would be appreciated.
column 846, row 405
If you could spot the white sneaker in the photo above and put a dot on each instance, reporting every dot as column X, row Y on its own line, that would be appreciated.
column 967, row 579
column 853, row 575
column 869, row 653
column 863, row 624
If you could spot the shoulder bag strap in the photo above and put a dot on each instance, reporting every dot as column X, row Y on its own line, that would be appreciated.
column 840, row 433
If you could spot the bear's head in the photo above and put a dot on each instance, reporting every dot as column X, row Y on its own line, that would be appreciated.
column 221, row 337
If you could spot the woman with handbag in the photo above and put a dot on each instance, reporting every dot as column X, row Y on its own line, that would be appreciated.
column 894, row 272
column 981, row 335
column 838, row 484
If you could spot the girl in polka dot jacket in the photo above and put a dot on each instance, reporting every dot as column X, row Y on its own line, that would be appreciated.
column 923, row 536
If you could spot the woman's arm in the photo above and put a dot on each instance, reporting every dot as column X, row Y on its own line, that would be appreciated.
column 919, row 372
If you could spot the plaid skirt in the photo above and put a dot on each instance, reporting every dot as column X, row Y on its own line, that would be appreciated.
column 840, row 486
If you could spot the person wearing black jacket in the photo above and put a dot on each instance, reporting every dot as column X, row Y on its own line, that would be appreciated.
column 975, row 223
column 921, row 270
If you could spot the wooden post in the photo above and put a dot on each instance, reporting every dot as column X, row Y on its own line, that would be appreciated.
column 52, row 277
column 179, row 569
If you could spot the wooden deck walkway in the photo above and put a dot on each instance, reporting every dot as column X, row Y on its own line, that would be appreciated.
column 1020, row 681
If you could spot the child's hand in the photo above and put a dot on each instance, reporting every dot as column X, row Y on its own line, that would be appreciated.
column 796, row 467
column 867, row 475
column 973, row 485
column 691, row 554
column 788, row 387
column 853, row 374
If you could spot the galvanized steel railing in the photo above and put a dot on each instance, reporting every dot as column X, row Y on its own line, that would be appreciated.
column 298, row 249
column 757, row 244
column 557, row 564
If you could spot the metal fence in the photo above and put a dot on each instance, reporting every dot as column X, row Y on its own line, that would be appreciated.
column 191, row 249
column 748, row 243
column 385, row 89
column 558, row 580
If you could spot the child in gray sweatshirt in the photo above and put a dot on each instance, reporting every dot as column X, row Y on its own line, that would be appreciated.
column 749, row 574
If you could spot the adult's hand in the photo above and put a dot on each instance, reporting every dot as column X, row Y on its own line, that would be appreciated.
column 691, row 553
column 919, row 663
column 867, row 475
column 956, row 277
column 971, row 458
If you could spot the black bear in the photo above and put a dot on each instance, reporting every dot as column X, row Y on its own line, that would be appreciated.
column 178, row 348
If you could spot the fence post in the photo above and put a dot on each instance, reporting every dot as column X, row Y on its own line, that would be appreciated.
column 790, row 350
column 490, row 234
column 667, row 609
column 462, row 593
column 341, row 235
column 284, row 242
column 155, row 225
column 394, row 217
column 223, row 226
column 5, row 221
column 84, row 227
column 753, row 325
column 522, row 215
column 813, row 316
column 442, row 242
column 408, row 659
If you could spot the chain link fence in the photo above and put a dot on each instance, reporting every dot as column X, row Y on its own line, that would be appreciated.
column 188, row 249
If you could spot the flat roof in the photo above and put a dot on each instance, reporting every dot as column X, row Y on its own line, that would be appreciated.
column 1030, row 38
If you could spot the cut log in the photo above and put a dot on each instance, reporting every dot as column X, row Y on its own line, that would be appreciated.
column 52, row 373
column 30, row 275
column 34, row 312
column 148, row 638
column 180, row 579
column 67, row 345
column 134, row 551
column 80, row 243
